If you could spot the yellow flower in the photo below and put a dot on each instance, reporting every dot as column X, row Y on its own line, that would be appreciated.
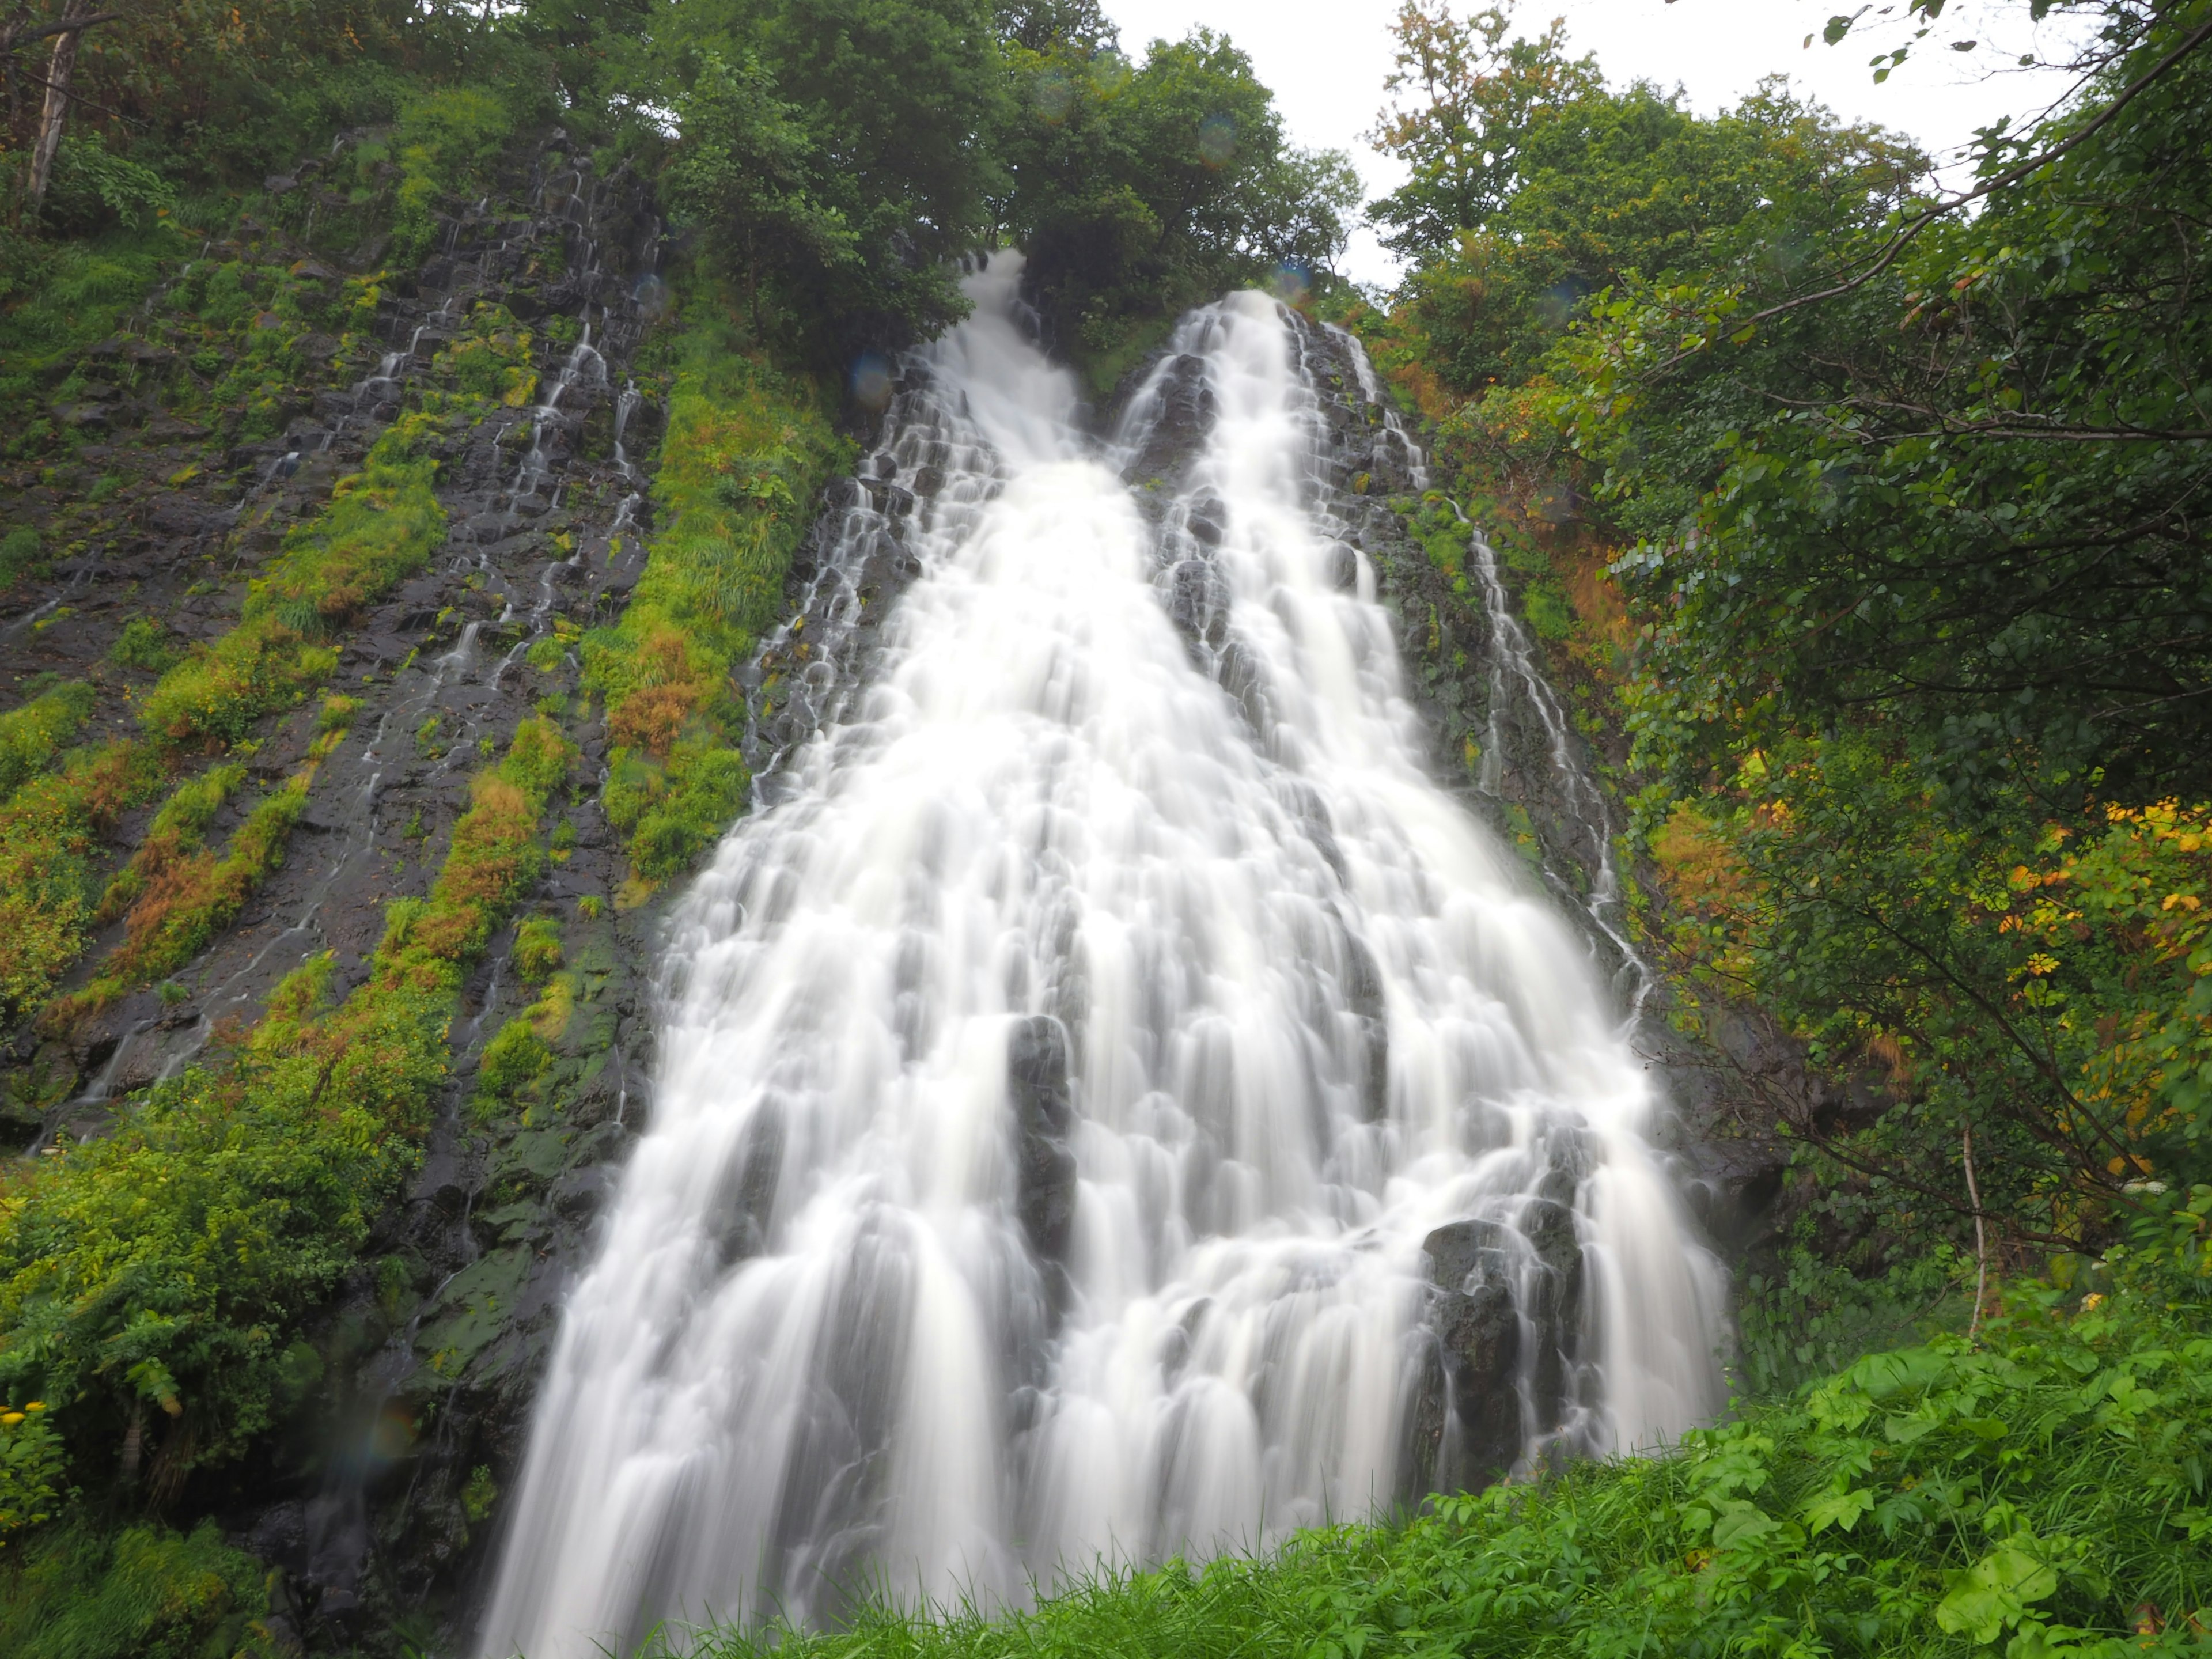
column 11, row 1419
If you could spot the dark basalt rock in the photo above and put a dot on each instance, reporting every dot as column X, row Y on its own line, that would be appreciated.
column 1036, row 1078
column 1478, row 1333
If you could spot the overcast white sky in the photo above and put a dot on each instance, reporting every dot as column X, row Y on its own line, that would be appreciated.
column 1326, row 60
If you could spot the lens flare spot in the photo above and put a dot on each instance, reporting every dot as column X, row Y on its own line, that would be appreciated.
column 1217, row 140
column 871, row 382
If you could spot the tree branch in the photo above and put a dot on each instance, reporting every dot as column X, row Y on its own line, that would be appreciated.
column 1903, row 238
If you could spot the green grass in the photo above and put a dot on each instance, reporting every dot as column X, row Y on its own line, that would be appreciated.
column 146, row 1590
column 2042, row 1491
column 49, row 851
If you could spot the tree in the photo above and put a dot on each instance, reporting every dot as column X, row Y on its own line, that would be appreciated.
column 1138, row 193
column 745, row 174
column 1040, row 25
column 1474, row 104
column 1621, row 185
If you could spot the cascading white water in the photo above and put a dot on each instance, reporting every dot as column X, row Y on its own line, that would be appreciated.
column 1051, row 902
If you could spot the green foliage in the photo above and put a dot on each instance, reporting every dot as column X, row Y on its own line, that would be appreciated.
column 515, row 1057
column 1471, row 102
column 21, row 554
column 2044, row 1490
column 144, row 1592
column 1813, row 1316
column 31, row 1475
column 446, row 144
column 1954, row 498
column 145, row 1278
column 745, row 174
column 71, row 297
column 150, row 1281
column 144, row 643
column 712, row 579
column 91, row 187
column 538, row 947
column 834, row 157
column 179, row 898
column 1605, row 187
column 33, row 733
column 1140, row 191
column 48, row 830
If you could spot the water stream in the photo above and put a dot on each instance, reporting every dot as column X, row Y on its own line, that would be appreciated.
column 1063, row 1075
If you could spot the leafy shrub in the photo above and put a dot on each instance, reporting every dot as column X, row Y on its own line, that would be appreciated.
column 30, row 1468
column 512, row 1059
column 445, row 142
column 2043, row 1491
column 144, row 643
column 91, row 186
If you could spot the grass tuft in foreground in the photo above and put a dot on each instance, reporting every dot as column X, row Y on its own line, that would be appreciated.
column 2040, row 1493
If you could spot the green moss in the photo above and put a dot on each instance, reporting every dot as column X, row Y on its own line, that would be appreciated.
column 36, row 733
column 537, row 946
column 492, row 357
column 512, row 1059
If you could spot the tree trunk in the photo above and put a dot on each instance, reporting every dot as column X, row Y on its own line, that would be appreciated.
column 55, row 114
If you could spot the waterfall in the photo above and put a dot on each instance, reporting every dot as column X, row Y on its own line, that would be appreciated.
column 1092, row 1086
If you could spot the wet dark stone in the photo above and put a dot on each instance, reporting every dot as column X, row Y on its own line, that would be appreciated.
column 1477, row 1336
column 1185, row 411
column 1363, row 992
column 1198, row 601
column 1036, row 1078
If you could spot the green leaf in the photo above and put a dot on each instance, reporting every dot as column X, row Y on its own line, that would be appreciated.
column 1841, row 1509
column 1742, row 1524
column 1994, row 1593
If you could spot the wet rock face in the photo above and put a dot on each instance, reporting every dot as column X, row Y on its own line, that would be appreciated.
column 1477, row 1331
column 377, row 1505
column 1036, row 1078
